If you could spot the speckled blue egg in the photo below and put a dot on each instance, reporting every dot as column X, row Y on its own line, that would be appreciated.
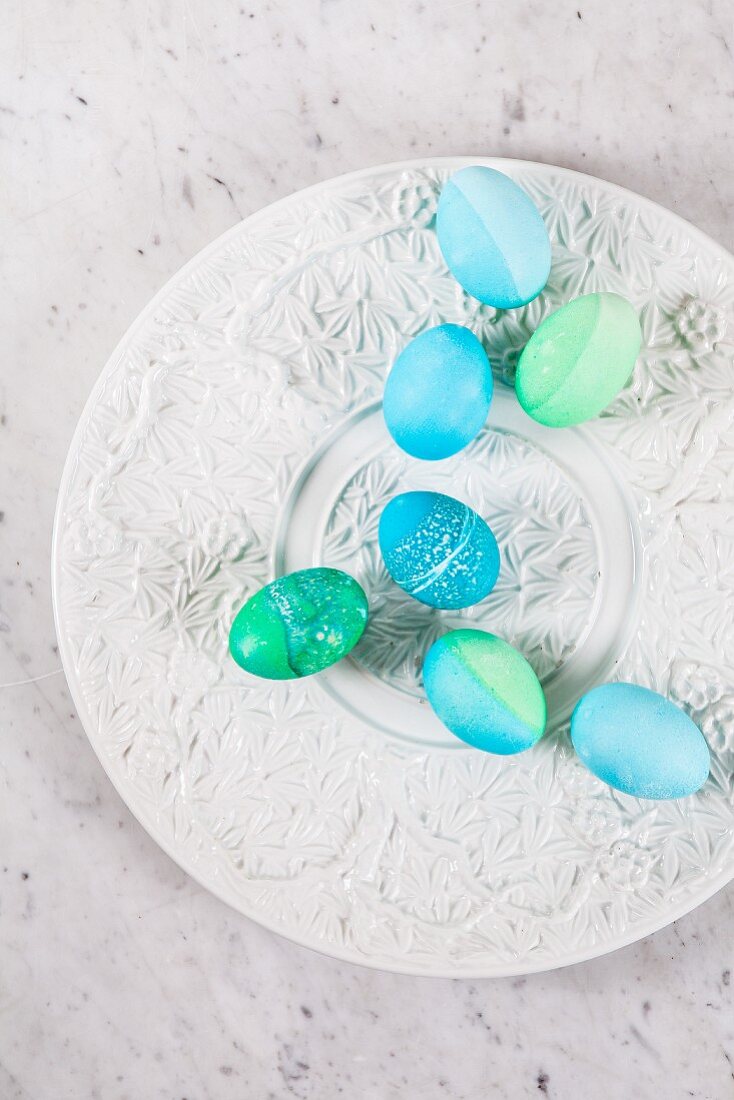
column 438, row 550
column 639, row 742
column 493, row 238
column 438, row 393
column 484, row 691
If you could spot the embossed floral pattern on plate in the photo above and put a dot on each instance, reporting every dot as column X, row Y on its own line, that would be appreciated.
column 297, row 812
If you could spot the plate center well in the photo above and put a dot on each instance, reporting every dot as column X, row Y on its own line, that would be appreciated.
column 566, row 595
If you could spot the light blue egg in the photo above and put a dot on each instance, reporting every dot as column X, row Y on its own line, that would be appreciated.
column 493, row 238
column 438, row 393
column 639, row 742
column 484, row 691
column 438, row 550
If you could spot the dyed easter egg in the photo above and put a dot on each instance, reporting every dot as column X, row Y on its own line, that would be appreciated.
column 438, row 393
column 484, row 691
column 492, row 238
column 578, row 359
column 639, row 742
column 438, row 549
column 299, row 624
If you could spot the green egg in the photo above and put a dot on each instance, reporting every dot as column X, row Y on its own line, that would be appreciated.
column 299, row 624
column 578, row 360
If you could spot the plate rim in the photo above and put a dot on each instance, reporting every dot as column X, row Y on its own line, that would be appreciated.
column 187, row 864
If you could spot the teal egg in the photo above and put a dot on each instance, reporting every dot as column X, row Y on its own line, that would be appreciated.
column 299, row 624
column 438, row 549
column 485, row 692
column 639, row 742
column 493, row 238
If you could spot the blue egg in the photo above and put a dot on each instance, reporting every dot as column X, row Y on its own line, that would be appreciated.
column 493, row 238
column 639, row 742
column 438, row 550
column 484, row 691
column 438, row 393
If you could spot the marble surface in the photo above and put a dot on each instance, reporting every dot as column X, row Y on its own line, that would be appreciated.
column 131, row 134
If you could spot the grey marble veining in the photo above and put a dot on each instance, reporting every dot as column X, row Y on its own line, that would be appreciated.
column 131, row 134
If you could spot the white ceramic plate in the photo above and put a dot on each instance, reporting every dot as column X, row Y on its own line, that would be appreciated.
column 236, row 434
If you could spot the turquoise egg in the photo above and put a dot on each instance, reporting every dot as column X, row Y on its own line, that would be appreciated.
column 484, row 691
column 639, row 742
column 438, row 393
column 493, row 238
column 438, row 550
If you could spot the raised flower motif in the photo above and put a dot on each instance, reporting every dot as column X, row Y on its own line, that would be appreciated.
column 153, row 754
column 191, row 673
column 576, row 780
column 416, row 201
column 693, row 688
column 595, row 822
column 718, row 725
column 226, row 536
column 94, row 536
column 700, row 325
column 625, row 865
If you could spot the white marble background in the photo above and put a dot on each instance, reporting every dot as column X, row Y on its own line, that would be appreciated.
column 131, row 133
